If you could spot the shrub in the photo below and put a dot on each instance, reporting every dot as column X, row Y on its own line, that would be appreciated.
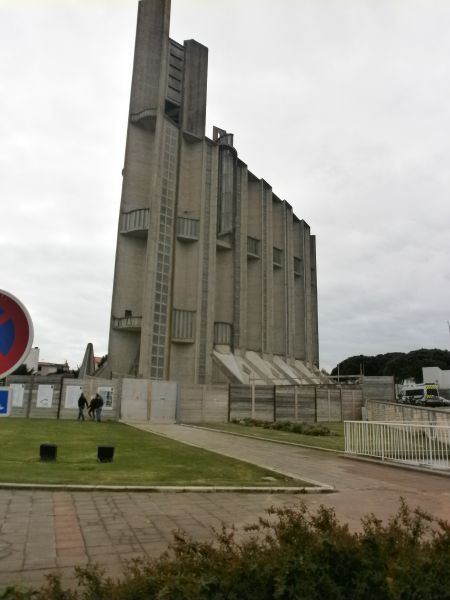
column 282, row 426
column 315, row 429
column 251, row 422
column 290, row 554
column 303, row 428
column 297, row 428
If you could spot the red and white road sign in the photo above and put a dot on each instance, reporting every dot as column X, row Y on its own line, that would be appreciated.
column 16, row 333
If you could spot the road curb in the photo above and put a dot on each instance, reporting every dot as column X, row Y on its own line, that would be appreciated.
column 168, row 488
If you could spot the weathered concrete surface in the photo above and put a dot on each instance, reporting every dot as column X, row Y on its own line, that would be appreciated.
column 42, row 532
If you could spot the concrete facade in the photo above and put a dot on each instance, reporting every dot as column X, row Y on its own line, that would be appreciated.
column 212, row 267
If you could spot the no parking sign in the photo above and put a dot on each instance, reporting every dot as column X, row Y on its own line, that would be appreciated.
column 16, row 333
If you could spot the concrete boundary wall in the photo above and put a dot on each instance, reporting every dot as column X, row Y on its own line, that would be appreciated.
column 35, row 397
column 379, row 388
column 309, row 403
column 165, row 401
column 55, row 397
column 127, row 399
column 203, row 404
column 390, row 412
column 109, row 389
column 135, row 402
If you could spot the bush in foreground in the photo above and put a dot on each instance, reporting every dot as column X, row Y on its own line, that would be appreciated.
column 291, row 554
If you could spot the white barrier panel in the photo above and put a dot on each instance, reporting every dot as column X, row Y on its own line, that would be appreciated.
column 424, row 445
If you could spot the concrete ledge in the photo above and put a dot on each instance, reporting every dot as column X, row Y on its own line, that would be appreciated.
column 169, row 488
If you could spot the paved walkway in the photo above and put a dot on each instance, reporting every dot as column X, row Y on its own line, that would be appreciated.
column 362, row 487
column 42, row 532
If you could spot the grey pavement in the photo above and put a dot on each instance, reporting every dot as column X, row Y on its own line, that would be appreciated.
column 52, row 531
column 362, row 487
column 43, row 532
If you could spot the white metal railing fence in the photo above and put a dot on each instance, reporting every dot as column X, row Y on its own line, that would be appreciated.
column 425, row 445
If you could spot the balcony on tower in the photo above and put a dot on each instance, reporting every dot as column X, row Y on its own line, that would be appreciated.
column 135, row 222
column 129, row 322
column 223, row 333
column 187, row 229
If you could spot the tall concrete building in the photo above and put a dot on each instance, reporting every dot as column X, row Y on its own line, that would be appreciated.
column 215, row 276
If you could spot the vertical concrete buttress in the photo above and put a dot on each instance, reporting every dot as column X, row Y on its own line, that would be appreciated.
column 267, row 269
column 314, row 304
column 240, row 326
column 290, row 283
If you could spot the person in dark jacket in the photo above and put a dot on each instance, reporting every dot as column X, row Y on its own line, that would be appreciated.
column 92, row 407
column 98, row 407
column 82, row 404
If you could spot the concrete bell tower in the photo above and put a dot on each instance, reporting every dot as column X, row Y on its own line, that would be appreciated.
column 215, row 276
column 167, row 107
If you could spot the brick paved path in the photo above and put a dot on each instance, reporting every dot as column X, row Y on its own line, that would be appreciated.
column 42, row 532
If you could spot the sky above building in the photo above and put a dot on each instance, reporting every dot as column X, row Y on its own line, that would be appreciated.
column 341, row 106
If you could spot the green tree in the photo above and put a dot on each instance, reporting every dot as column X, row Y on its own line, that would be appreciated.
column 400, row 365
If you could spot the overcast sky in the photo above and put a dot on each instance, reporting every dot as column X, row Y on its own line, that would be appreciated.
column 342, row 106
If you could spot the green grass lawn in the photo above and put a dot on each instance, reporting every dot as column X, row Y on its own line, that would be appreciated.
column 140, row 458
column 331, row 442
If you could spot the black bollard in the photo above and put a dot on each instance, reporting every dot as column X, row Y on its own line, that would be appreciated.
column 105, row 453
column 47, row 452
